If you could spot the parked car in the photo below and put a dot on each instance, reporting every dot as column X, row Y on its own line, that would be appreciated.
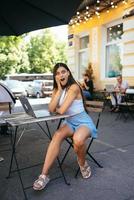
column 40, row 88
column 16, row 87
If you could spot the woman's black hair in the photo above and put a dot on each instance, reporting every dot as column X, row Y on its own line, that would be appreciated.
column 71, row 80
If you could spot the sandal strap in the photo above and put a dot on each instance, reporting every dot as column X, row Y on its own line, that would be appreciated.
column 85, row 170
column 41, row 182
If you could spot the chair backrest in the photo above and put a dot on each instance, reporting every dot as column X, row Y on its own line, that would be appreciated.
column 96, row 107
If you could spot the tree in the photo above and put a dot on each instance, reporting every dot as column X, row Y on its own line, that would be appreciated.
column 11, row 57
column 61, row 49
column 44, row 52
column 37, row 55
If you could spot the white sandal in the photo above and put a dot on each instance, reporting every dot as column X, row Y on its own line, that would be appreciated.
column 41, row 182
column 85, row 170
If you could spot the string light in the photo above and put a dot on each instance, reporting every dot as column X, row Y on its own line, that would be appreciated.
column 96, row 9
column 124, row 2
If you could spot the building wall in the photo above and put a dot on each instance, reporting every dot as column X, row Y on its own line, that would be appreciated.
column 96, row 29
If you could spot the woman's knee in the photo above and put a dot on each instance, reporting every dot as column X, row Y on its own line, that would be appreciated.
column 57, row 136
column 78, row 142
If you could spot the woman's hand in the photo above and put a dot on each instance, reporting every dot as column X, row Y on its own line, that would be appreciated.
column 58, row 83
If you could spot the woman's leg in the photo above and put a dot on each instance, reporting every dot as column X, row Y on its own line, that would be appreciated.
column 79, row 139
column 52, row 153
column 119, row 96
column 113, row 100
column 54, row 147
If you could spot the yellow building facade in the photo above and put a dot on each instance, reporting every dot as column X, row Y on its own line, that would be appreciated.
column 107, row 41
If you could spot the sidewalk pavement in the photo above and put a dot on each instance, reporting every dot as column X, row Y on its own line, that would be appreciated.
column 114, row 149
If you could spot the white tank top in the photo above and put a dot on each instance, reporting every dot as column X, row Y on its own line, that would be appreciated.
column 76, row 106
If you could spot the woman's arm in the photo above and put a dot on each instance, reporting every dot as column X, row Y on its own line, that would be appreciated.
column 54, row 100
column 85, row 85
column 72, row 94
column 55, row 96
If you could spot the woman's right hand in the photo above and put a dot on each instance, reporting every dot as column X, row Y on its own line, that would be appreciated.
column 58, row 83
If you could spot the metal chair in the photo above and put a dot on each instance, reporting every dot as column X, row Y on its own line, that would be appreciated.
column 126, row 108
column 92, row 107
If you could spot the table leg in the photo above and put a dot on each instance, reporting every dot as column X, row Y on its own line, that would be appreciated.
column 13, row 152
column 13, row 155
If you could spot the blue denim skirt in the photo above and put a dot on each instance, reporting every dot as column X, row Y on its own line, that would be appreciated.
column 81, row 119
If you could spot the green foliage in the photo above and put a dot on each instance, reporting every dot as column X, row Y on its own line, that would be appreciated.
column 44, row 52
column 61, row 49
column 8, row 57
column 12, row 55
column 38, row 55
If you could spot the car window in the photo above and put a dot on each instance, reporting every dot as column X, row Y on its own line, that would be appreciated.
column 13, row 84
column 48, row 83
column 37, row 82
column 43, row 83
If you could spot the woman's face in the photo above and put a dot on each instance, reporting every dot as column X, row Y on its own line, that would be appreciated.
column 62, row 75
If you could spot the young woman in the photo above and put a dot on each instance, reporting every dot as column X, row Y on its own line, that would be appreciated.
column 67, row 98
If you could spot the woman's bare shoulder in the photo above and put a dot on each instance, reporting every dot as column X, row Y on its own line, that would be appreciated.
column 74, row 87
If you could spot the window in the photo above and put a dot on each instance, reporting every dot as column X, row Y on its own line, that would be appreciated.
column 114, row 50
column 84, row 42
column 83, row 54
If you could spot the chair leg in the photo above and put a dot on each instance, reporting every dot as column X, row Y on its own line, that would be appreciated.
column 65, row 155
column 77, row 172
column 70, row 145
column 99, row 165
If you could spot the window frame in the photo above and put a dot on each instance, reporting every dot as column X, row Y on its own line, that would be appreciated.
column 84, row 50
column 105, row 44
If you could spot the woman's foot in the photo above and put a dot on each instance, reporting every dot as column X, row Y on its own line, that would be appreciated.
column 41, row 182
column 85, row 170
